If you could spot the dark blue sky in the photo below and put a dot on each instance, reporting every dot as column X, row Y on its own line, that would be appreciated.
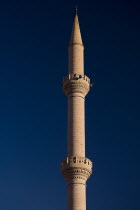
column 33, row 126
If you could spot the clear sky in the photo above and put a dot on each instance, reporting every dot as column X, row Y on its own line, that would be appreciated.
column 33, row 109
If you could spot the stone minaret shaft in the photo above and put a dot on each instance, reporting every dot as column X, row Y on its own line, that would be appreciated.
column 76, row 168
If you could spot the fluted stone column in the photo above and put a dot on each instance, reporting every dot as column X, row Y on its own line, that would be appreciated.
column 76, row 168
column 76, row 126
column 76, row 61
column 76, row 196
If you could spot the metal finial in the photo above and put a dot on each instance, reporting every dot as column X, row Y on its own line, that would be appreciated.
column 76, row 6
column 76, row 10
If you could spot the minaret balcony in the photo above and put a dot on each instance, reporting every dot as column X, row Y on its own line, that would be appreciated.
column 76, row 168
column 76, row 77
column 76, row 83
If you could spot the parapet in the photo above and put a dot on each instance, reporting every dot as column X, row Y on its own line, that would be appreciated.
column 76, row 83
column 76, row 77
column 76, row 168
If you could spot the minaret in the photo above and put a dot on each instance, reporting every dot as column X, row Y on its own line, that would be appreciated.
column 76, row 168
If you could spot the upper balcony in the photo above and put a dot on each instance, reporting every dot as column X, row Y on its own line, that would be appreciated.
column 76, row 77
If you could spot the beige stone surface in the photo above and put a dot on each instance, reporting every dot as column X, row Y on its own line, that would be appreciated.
column 76, row 126
column 76, row 85
column 76, row 34
column 76, row 61
column 75, row 51
column 76, row 196
column 76, row 168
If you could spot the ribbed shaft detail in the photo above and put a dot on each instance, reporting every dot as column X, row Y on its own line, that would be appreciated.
column 76, row 61
column 76, row 126
column 76, row 168
column 76, row 196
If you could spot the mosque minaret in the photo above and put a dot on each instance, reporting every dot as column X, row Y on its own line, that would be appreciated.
column 76, row 168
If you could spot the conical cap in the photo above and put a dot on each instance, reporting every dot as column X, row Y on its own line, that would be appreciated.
column 76, row 34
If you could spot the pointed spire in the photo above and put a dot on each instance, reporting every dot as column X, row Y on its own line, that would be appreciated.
column 76, row 34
